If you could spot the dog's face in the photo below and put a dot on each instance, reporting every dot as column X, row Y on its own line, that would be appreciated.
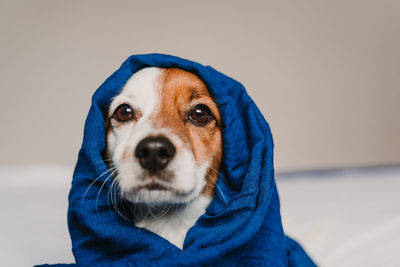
column 164, row 137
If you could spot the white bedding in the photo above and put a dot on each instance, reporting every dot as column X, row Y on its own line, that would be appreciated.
column 342, row 218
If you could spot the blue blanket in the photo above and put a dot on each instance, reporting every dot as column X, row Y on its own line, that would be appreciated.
column 241, row 227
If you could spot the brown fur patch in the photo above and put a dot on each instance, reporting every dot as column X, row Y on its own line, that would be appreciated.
column 180, row 92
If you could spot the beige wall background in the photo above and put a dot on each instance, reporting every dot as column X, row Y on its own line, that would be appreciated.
column 325, row 74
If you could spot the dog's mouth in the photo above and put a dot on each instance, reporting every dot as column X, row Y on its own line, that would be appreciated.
column 159, row 187
column 153, row 186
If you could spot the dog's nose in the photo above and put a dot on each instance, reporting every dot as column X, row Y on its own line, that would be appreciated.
column 154, row 153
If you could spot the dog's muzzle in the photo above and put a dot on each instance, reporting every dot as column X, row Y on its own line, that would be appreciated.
column 154, row 153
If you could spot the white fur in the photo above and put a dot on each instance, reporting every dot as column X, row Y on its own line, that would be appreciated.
column 174, row 225
column 142, row 93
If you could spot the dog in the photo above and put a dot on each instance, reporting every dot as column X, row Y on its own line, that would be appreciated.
column 164, row 146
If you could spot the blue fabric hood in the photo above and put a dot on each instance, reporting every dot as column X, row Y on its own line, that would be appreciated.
column 241, row 227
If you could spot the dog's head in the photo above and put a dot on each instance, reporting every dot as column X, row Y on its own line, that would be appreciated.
column 164, row 137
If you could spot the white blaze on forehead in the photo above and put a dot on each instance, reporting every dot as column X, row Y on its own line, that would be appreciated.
column 141, row 91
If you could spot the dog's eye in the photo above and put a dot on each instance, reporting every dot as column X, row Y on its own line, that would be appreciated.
column 200, row 115
column 123, row 113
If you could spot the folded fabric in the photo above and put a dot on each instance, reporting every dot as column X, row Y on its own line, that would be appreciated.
column 241, row 227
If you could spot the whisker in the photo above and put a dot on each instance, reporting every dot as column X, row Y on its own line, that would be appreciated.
column 219, row 174
column 223, row 196
column 94, row 181
column 165, row 211
column 219, row 189
column 105, row 181
column 106, row 161
column 145, row 217
column 114, row 192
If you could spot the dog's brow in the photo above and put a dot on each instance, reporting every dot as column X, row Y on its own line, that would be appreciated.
column 196, row 93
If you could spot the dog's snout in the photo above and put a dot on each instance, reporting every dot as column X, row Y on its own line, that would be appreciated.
column 154, row 153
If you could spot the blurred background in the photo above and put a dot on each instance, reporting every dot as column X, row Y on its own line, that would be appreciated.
column 325, row 74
